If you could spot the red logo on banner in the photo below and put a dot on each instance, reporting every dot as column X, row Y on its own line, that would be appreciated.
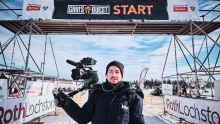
column 33, row 8
column 180, row 9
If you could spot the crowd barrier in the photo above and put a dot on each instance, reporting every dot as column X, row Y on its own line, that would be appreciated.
column 154, row 101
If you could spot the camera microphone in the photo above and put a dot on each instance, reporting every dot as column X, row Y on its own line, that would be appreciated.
column 71, row 62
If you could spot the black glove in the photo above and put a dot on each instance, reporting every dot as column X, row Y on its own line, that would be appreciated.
column 60, row 99
column 72, row 94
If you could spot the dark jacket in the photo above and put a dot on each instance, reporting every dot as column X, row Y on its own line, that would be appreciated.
column 140, row 93
column 109, row 109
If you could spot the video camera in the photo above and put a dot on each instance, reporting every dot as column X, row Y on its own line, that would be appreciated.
column 85, row 72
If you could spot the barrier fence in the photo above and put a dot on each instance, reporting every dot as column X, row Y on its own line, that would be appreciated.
column 154, row 101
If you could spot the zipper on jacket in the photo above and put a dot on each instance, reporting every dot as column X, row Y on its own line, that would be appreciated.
column 118, row 113
column 106, row 106
column 113, row 99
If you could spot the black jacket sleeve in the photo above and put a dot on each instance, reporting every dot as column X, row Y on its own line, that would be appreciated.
column 80, row 115
column 136, row 116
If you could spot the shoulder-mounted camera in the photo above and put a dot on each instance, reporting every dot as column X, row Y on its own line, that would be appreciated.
column 84, row 71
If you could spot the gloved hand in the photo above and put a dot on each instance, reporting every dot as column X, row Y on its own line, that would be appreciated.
column 60, row 99
column 72, row 94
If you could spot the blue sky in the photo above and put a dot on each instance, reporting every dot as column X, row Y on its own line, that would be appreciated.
column 135, row 52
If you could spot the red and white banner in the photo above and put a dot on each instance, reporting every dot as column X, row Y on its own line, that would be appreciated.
column 108, row 10
column 33, row 88
column 36, row 9
column 199, row 111
column 183, row 9
column 22, row 110
column 38, row 88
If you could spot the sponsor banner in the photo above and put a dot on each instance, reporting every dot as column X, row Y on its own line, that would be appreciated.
column 22, row 110
column 198, row 111
column 183, row 9
column 217, row 89
column 33, row 88
column 3, row 89
column 112, row 10
column 37, row 9
column 142, row 78
column 167, row 89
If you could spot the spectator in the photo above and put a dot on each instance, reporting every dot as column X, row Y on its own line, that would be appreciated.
column 184, row 91
column 158, row 91
column 180, row 91
column 14, row 94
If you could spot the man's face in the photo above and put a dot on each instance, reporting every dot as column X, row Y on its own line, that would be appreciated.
column 114, row 75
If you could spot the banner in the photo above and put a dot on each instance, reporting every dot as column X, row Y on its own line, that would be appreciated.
column 22, row 110
column 37, row 9
column 3, row 89
column 183, row 9
column 142, row 78
column 111, row 10
column 33, row 88
column 217, row 89
column 167, row 89
column 38, row 88
column 199, row 111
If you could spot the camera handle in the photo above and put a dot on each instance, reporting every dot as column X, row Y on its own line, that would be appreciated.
column 71, row 94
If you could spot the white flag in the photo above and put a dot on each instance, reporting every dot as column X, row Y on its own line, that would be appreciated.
column 142, row 78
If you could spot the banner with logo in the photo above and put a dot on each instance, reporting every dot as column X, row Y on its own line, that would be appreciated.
column 38, row 88
column 3, row 89
column 143, row 78
column 33, row 88
column 199, row 111
column 183, row 9
column 22, row 110
column 167, row 89
column 217, row 89
column 36, row 9
column 111, row 10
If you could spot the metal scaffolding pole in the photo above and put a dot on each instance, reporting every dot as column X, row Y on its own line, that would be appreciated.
column 45, row 49
column 29, row 44
column 194, row 58
column 29, row 53
column 166, row 59
column 12, row 58
column 15, row 35
column 3, row 56
column 176, row 66
column 209, row 52
column 191, row 22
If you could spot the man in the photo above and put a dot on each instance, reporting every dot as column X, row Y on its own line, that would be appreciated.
column 184, row 91
column 158, row 91
column 180, row 91
column 111, row 107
